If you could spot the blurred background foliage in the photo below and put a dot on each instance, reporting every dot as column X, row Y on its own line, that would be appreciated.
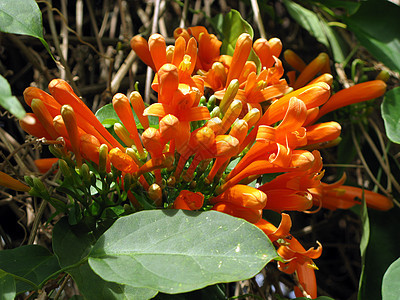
column 87, row 43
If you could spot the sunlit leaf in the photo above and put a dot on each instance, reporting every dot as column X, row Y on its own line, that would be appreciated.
column 175, row 251
column 232, row 25
column 391, row 283
column 390, row 110
column 8, row 101
column 71, row 244
column 22, row 17
column 7, row 286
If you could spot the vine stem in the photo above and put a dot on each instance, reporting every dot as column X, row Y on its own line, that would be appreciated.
column 149, row 72
column 368, row 170
column 56, row 42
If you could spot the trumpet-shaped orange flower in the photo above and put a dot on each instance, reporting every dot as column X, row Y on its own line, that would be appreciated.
column 300, row 261
column 337, row 195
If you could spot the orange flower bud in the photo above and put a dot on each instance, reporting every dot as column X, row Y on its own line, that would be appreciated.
column 64, row 94
column 244, row 196
column 152, row 141
column 157, row 49
column 311, row 70
column 138, row 106
column 357, row 93
column 188, row 200
column 122, row 161
column 90, row 148
column 69, row 118
column 239, row 57
column 275, row 45
column 140, row 46
column 43, row 115
column 31, row 124
column 250, row 215
column 45, row 164
column 168, row 82
column 35, row 93
column 11, row 183
column 263, row 51
column 323, row 132
column 294, row 60
column 123, row 109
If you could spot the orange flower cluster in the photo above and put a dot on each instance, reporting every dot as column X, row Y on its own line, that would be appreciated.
column 256, row 116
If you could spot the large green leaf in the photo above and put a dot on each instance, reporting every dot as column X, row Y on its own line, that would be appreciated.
column 318, row 28
column 383, row 249
column 22, row 17
column 376, row 27
column 7, row 286
column 71, row 245
column 391, row 283
column 175, row 251
column 390, row 110
column 8, row 101
column 32, row 262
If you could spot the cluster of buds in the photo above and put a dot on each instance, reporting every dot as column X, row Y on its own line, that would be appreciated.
column 224, row 122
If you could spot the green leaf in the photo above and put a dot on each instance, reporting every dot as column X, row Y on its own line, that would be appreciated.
column 376, row 27
column 383, row 249
column 175, row 251
column 390, row 110
column 7, row 286
column 71, row 245
column 232, row 25
column 22, row 17
column 8, row 101
column 318, row 28
column 108, row 117
column 34, row 263
column 391, row 283
column 350, row 7
column 363, row 247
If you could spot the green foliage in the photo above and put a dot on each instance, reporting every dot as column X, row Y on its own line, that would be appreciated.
column 390, row 110
column 376, row 27
column 363, row 247
column 231, row 26
column 22, row 17
column 8, row 101
column 7, row 286
column 71, row 245
column 108, row 117
column 31, row 266
column 391, row 283
column 382, row 250
column 178, row 251
column 318, row 27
